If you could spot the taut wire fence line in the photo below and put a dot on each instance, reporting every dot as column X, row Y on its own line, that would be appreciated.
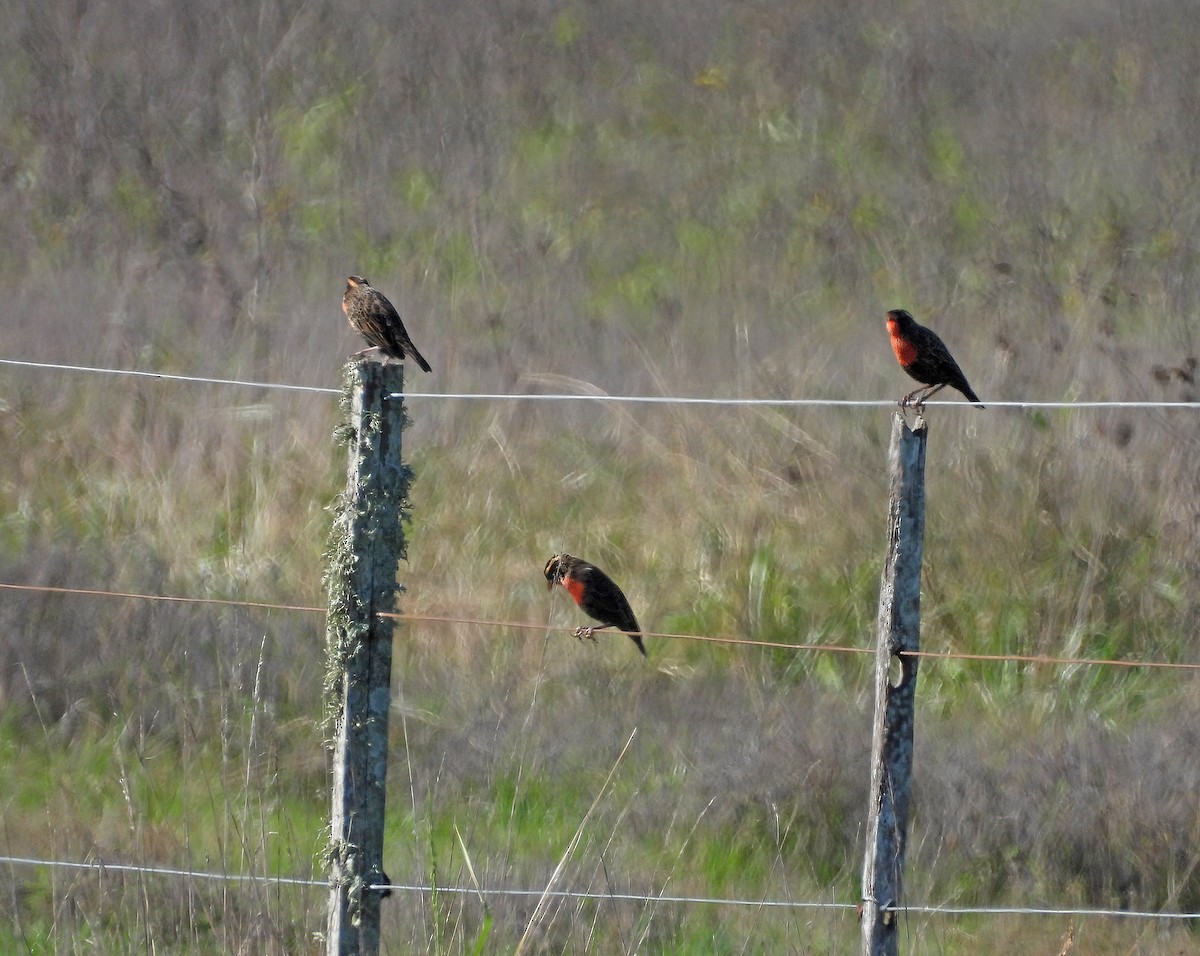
column 928, row 909
column 169, row 376
column 170, row 598
column 1042, row 660
column 594, row 394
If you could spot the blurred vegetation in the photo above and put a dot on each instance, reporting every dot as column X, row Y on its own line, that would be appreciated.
column 700, row 199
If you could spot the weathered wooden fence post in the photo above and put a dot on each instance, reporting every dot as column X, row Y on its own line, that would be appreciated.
column 899, row 630
column 366, row 544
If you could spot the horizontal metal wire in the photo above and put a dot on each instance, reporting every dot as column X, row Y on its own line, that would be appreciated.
column 100, row 868
column 601, row 397
column 1038, row 659
column 169, row 376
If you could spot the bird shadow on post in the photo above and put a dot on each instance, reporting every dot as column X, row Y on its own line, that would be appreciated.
column 366, row 544
column 899, row 629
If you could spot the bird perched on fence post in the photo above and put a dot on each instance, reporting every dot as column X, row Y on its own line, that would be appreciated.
column 597, row 594
column 373, row 317
column 925, row 357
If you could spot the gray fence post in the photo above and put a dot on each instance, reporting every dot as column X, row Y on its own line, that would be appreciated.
column 366, row 544
column 899, row 630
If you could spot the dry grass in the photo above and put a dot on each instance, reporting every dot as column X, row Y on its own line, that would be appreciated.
column 564, row 198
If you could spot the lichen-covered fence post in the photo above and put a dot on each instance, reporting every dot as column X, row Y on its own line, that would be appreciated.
column 899, row 630
column 365, row 547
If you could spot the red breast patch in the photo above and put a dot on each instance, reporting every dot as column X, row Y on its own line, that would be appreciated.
column 575, row 588
column 906, row 352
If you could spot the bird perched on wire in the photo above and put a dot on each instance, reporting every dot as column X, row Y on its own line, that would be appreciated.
column 373, row 317
column 597, row 594
column 925, row 357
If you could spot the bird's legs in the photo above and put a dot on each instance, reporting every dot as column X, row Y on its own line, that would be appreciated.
column 384, row 358
column 924, row 392
column 589, row 633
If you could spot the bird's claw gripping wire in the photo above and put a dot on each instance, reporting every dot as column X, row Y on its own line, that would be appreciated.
column 916, row 398
column 585, row 634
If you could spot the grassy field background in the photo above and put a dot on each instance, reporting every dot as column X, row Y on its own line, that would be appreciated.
column 643, row 198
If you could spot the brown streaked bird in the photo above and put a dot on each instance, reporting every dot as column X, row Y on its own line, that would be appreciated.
column 925, row 357
column 597, row 594
column 373, row 317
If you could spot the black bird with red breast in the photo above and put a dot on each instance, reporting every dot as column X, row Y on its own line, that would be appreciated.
column 597, row 594
column 925, row 357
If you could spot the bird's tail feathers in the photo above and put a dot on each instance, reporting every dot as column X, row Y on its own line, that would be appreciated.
column 972, row 397
column 420, row 359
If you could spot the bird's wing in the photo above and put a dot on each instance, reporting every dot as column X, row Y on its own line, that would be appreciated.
column 606, row 602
